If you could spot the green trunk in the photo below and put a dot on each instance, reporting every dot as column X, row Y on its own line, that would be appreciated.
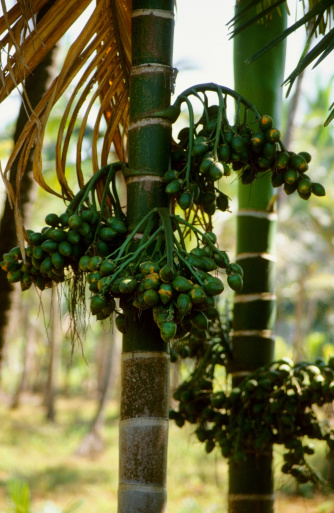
column 251, row 482
column 145, row 358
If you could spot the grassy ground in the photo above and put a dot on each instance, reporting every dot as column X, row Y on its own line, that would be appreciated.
column 43, row 454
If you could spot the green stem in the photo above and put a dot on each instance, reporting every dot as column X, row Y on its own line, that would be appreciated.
column 225, row 90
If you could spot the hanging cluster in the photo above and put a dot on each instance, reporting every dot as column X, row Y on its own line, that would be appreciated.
column 211, row 148
column 273, row 405
column 52, row 254
column 149, row 268
column 155, row 271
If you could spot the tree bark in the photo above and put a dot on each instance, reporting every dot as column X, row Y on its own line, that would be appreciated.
column 251, row 482
column 35, row 86
column 145, row 358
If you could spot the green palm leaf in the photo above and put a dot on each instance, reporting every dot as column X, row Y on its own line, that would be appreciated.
column 317, row 18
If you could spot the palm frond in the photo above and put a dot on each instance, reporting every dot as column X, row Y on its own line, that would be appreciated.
column 94, row 77
column 317, row 19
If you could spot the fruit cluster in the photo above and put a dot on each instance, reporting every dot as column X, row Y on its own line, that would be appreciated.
column 209, row 149
column 174, row 283
column 58, row 247
column 149, row 268
column 273, row 405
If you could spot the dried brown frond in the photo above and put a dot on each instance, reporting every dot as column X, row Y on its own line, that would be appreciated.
column 94, row 77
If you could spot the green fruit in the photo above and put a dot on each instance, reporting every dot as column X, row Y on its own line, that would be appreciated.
column 94, row 263
column 318, row 189
column 304, row 185
column 83, row 263
column 64, row 218
column 97, row 304
column 269, row 150
column 57, row 260
column 167, row 273
column 117, row 224
column 171, row 175
column 266, row 122
column 291, row 176
column 282, row 160
column 273, row 135
column 9, row 265
column 36, row 238
column 39, row 281
column 215, row 172
column 200, row 321
column 120, row 322
column 65, row 248
column 263, row 163
column 107, row 267
column 221, row 259
column 235, row 282
column 224, row 152
column 84, row 230
column 199, row 148
column 168, row 330
column 235, row 268
column 186, row 200
column 174, row 187
column 75, row 221
column 208, row 264
column 102, row 248
column 210, row 209
column 307, row 156
column 15, row 276
column 15, row 253
column 38, row 253
column 87, row 215
column 197, row 294
column 58, row 235
column 237, row 143
column 205, row 164
column 298, row 163
column 258, row 140
column 151, row 297
column 277, row 179
column 304, row 195
column 149, row 267
column 107, row 234
column 127, row 285
column 73, row 237
column 152, row 281
column 165, row 293
column 290, row 188
column 183, row 303
column 50, row 246
column 214, row 287
column 52, row 220
column 181, row 284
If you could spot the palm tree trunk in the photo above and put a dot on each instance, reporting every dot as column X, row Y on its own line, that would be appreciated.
column 251, row 482
column 145, row 358
column 35, row 86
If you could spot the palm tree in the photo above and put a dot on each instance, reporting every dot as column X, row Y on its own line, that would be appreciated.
column 251, row 481
column 98, row 65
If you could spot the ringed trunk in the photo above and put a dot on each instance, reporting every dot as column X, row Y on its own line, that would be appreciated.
column 145, row 357
column 251, row 482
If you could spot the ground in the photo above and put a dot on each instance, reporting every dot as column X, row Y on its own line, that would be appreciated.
column 44, row 455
